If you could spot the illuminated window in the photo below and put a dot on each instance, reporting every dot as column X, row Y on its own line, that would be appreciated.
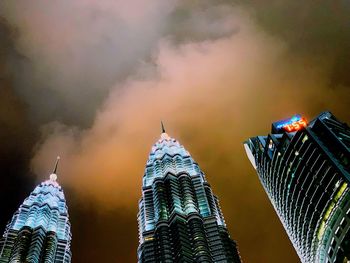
column 305, row 138
column 270, row 144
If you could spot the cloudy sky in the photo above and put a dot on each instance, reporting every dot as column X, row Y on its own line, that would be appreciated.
column 90, row 81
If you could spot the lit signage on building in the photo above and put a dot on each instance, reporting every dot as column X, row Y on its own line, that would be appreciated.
column 295, row 123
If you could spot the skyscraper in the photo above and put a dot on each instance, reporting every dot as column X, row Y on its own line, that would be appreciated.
column 305, row 171
column 179, row 217
column 40, row 229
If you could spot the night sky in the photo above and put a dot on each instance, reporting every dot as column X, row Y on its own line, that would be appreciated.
column 91, row 80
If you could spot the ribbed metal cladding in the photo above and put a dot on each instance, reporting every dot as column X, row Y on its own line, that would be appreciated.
column 39, row 232
column 179, row 218
column 305, row 173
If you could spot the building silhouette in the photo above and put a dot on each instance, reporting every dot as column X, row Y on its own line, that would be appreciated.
column 305, row 171
column 179, row 217
column 39, row 231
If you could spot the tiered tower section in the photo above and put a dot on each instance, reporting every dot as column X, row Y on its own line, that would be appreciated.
column 40, row 229
column 179, row 218
column 305, row 170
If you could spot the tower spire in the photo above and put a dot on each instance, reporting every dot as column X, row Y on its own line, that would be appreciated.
column 56, row 165
column 163, row 129
column 53, row 176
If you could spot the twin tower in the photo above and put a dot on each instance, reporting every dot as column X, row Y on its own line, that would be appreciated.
column 179, row 217
column 303, row 167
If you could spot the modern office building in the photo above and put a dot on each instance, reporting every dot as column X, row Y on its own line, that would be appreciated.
column 179, row 217
column 305, row 171
column 40, row 229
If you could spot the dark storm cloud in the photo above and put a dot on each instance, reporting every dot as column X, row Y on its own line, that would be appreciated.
column 16, row 141
column 101, row 74
column 17, row 135
column 76, row 51
column 317, row 30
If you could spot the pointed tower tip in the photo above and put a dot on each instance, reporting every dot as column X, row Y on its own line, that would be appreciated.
column 56, row 165
column 164, row 135
column 53, row 176
column 163, row 129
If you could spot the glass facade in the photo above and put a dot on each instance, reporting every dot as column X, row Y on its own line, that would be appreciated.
column 305, row 171
column 39, row 231
column 180, row 219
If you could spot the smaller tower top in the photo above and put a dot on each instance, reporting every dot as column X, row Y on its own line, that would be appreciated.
column 53, row 176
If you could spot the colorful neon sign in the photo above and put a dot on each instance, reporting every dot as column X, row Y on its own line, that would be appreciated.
column 295, row 126
column 295, row 123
